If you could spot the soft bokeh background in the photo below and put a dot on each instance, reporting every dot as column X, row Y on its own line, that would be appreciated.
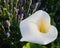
column 12, row 12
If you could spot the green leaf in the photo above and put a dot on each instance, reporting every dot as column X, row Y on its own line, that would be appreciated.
column 32, row 45
column 27, row 45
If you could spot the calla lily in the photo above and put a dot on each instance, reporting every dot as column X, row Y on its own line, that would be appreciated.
column 37, row 29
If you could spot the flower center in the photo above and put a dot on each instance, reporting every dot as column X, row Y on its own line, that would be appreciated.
column 43, row 27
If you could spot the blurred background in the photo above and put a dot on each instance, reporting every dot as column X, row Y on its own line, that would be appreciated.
column 12, row 12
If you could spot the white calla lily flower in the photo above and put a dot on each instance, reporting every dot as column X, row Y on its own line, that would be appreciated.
column 37, row 29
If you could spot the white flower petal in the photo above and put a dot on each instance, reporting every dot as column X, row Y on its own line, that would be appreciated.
column 43, row 38
column 30, row 31
column 50, row 36
column 36, row 17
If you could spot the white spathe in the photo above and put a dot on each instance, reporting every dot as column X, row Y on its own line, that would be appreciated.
column 30, row 29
